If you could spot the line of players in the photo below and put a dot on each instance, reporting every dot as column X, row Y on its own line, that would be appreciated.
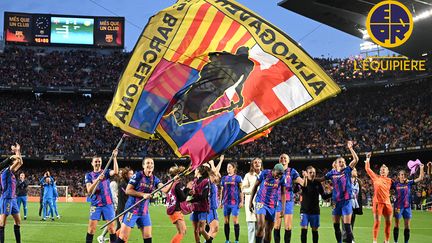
column 274, row 200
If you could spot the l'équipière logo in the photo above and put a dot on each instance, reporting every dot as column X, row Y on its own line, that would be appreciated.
column 389, row 24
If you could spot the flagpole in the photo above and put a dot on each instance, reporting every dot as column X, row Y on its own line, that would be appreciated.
column 140, row 201
column 108, row 164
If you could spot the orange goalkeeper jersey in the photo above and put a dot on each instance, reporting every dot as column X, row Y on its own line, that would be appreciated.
column 381, row 186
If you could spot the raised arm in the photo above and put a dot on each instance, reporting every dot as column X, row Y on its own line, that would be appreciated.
column 216, row 169
column 167, row 188
column 371, row 174
column 18, row 159
column 300, row 181
column 355, row 160
column 42, row 180
column 421, row 176
column 219, row 165
column 116, row 168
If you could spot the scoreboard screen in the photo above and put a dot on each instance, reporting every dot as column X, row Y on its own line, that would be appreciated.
column 62, row 30
column 66, row 30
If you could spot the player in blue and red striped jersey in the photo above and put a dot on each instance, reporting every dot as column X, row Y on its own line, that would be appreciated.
column 141, row 185
column 271, row 183
column 8, row 201
column 101, row 201
column 340, row 176
column 402, row 204
column 291, row 176
column 232, row 199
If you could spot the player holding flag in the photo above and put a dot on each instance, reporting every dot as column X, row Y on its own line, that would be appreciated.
column 101, row 201
column 140, row 186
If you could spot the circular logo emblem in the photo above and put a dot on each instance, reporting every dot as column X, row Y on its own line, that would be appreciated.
column 389, row 24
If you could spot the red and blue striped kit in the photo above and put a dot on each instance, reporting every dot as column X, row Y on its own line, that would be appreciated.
column 231, row 190
column 102, row 195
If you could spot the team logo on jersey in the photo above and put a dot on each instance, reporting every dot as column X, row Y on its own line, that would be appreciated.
column 389, row 24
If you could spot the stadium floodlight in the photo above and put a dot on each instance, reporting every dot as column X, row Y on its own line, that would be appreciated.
column 367, row 46
column 423, row 15
column 364, row 33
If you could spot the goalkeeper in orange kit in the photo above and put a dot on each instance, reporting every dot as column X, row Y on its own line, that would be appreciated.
column 381, row 205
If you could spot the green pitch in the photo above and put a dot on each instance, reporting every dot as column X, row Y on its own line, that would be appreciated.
column 72, row 227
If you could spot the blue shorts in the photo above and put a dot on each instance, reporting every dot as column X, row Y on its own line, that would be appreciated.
column 131, row 219
column 107, row 212
column 269, row 212
column 198, row 216
column 212, row 215
column 343, row 208
column 231, row 209
column 22, row 198
column 312, row 219
column 289, row 207
column 402, row 212
column 9, row 206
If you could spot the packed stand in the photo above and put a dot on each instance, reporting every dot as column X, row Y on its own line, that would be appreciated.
column 30, row 67
column 375, row 118
column 85, row 68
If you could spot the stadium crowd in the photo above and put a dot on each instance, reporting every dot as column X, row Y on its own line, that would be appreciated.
column 76, row 68
column 82, row 68
column 375, row 118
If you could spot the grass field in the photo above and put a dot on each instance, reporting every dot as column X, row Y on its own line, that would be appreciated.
column 72, row 227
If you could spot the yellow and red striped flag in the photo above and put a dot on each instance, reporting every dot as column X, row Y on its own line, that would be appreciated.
column 209, row 74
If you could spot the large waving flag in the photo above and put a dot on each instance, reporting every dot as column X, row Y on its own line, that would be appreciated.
column 209, row 74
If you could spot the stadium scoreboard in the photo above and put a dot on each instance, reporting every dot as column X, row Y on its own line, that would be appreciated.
column 63, row 30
